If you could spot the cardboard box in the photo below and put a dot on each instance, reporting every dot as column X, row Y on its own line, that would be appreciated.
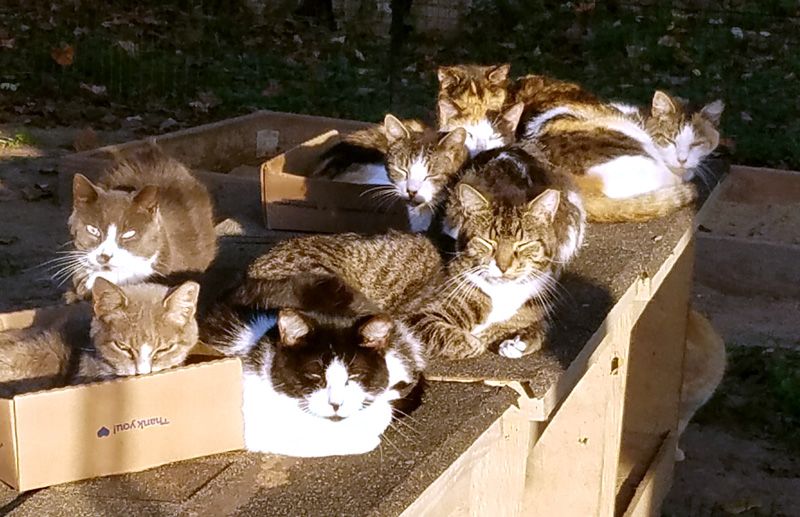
column 216, row 153
column 293, row 201
column 117, row 426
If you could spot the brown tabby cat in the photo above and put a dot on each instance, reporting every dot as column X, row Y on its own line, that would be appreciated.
column 391, row 270
column 518, row 224
column 132, row 330
column 493, row 129
column 145, row 218
column 473, row 89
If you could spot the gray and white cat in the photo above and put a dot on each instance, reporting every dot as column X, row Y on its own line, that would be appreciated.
column 145, row 218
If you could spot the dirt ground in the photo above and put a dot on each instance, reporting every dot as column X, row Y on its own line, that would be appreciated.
column 725, row 473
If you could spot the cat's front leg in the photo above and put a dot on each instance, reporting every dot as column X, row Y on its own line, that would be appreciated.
column 447, row 340
column 520, row 335
column 522, row 344
column 79, row 290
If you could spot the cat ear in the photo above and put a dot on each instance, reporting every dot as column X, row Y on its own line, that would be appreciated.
column 499, row 73
column 109, row 300
column 546, row 205
column 447, row 110
column 663, row 104
column 713, row 111
column 512, row 115
column 395, row 130
column 181, row 303
column 471, row 200
column 375, row 331
column 83, row 190
column 147, row 198
column 453, row 139
column 446, row 76
column 292, row 327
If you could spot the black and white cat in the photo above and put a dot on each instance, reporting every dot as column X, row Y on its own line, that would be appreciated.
column 319, row 384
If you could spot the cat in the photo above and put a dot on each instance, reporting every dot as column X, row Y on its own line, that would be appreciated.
column 391, row 270
column 341, row 289
column 418, row 164
column 129, row 330
column 628, row 166
column 703, row 369
column 474, row 90
column 146, row 218
column 518, row 224
column 492, row 129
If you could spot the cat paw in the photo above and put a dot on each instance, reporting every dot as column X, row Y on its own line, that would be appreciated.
column 513, row 348
column 679, row 454
column 419, row 219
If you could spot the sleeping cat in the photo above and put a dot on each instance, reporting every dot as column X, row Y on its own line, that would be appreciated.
column 130, row 330
column 629, row 167
column 346, row 294
column 490, row 130
column 473, row 89
column 145, row 218
column 418, row 163
column 320, row 383
column 518, row 224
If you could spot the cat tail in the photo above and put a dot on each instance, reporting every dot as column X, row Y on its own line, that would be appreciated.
column 658, row 203
column 343, row 154
column 704, row 360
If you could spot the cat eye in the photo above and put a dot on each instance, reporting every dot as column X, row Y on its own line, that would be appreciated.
column 130, row 234
column 123, row 348
column 528, row 245
column 353, row 377
column 314, row 376
column 486, row 242
column 93, row 231
column 167, row 350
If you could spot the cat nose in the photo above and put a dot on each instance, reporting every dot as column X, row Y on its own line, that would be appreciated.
column 335, row 407
column 412, row 193
column 103, row 258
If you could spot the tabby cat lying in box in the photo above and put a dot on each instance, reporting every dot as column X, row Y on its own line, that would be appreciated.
column 130, row 330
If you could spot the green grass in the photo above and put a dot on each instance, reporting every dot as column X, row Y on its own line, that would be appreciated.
column 183, row 56
column 18, row 139
column 760, row 396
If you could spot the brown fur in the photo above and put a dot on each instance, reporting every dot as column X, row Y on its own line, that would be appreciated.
column 157, row 197
column 391, row 269
column 103, row 341
column 517, row 214
column 540, row 93
column 473, row 90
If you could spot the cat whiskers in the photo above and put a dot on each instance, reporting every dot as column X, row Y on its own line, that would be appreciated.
column 384, row 195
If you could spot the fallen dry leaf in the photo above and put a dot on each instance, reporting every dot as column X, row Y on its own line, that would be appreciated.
column 8, row 42
column 97, row 89
column 85, row 139
column 129, row 47
column 64, row 56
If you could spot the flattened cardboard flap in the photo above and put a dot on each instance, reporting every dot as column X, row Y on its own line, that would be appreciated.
column 130, row 424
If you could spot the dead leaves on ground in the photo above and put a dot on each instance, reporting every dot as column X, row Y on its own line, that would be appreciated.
column 64, row 55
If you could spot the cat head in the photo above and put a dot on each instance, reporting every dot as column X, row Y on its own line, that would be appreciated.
column 143, row 328
column 504, row 242
column 492, row 130
column 115, row 230
column 472, row 89
column 333, row 366
column 421, row 167
column 683, row 138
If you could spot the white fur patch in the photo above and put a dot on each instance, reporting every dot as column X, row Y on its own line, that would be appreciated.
column 682, row 156
column 123, row 267
column 575, row 234
column 513, row 348
column 247, row 336
column 628, row 176
column 534, row 126
column 340, row 397
column 144, row 361
column 420, row 218
column 627, row 109
column 482, row 136
column 415, row 346
column 506, row 298
column 275, row 424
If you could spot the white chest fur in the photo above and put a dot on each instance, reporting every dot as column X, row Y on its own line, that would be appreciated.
column 506, row 298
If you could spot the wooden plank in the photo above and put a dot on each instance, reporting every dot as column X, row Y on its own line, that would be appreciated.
column 487, row 479
column 657, row 481
column 757, row 185
column 744, row 266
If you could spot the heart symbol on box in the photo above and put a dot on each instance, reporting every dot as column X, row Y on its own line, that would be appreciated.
column 103, row 432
